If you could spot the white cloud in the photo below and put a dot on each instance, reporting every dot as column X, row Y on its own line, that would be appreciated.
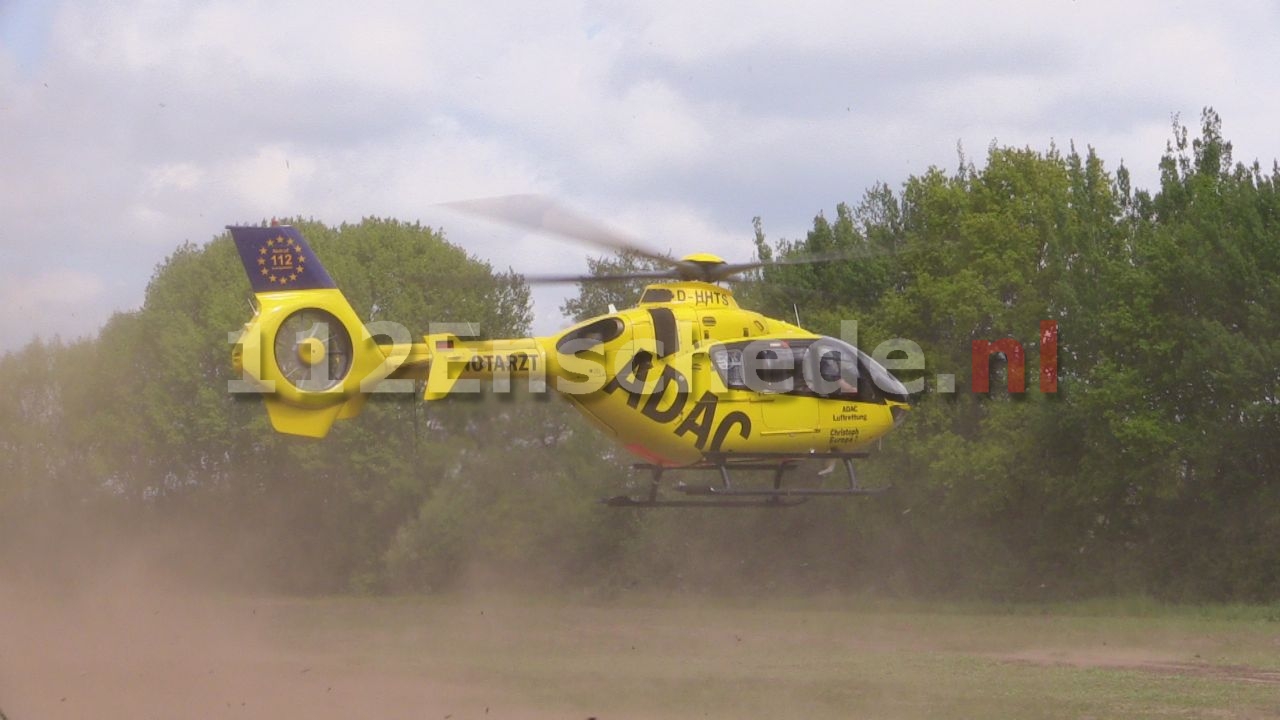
column 271, row 177
column 180, row 176
column 130, row 127
column 57, row 301
column 684, row 229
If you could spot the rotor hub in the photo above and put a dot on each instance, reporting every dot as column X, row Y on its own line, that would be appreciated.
column 311, row 351
column 703, row 259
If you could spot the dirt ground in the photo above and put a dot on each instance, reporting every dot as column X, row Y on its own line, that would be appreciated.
column 1144, row 661
column 116, row 642
column 127, row 646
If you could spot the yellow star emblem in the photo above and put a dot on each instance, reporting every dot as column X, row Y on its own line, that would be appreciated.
column 264, row 271
column 262, row 261
column 292, row 278
column 262, row 251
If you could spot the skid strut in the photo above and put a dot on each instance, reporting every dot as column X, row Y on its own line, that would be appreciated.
column 725, row 494
column 653, row 501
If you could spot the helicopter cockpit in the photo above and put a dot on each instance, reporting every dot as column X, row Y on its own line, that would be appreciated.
column 824, row 367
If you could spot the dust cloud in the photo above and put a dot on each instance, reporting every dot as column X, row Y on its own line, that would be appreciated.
column 109, row 627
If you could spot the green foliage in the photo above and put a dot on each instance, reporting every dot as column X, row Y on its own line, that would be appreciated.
column 1151, row 469
column 594, row 298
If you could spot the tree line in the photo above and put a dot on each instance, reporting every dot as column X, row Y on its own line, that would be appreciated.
column 1150, row 470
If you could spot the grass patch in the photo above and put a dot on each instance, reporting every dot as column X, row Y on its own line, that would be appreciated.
column 698, row 657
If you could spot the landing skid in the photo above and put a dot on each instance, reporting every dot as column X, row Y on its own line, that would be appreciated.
column 707, row 490
column 627, row 501
column 725, row 494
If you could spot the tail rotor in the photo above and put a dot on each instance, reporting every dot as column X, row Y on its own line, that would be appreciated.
column 305, row 349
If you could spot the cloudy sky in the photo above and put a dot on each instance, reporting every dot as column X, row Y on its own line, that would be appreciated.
column 129, row 127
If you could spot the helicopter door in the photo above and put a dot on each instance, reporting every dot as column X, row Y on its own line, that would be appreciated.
column 785, row 408
column 788, row 414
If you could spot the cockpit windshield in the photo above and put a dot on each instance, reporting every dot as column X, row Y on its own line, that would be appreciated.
column 825, row 367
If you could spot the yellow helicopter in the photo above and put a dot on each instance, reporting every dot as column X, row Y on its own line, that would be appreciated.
column 686, row 380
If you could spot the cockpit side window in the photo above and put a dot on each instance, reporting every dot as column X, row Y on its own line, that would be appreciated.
column 728, row 363
column 826, row 368
column 657, row 295
column 762, row 366
column 589, row 336
column 837, row 374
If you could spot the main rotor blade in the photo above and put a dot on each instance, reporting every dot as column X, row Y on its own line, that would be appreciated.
column 728, row 269
column 535, row 212
column 553, row 279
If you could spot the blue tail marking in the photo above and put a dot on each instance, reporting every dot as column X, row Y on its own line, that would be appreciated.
column 278, row 258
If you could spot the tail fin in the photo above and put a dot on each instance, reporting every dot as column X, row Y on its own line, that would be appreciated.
column 279, row 258
column 305, row 350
